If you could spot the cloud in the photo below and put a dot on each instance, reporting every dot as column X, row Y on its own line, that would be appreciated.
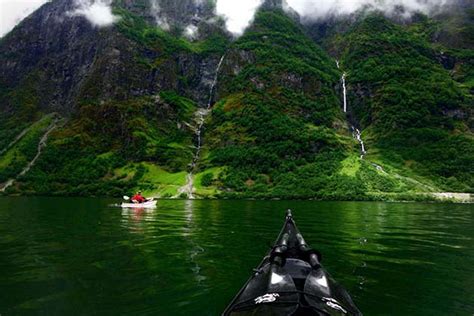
column 97, row 12
column 161, row 21
column 317, row 9
column 191, row 31
column 237, row 14
column 13, row 12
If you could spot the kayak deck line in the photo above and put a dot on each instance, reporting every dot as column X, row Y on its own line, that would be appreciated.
column 291, row 281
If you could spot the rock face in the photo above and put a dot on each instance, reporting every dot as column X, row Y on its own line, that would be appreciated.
column 130, row 92
column 273, row 4
column 64, row 60
column 175, row 13
column 190, row 18
column 50, row 54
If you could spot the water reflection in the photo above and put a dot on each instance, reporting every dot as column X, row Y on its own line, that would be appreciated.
column 137, row 219
column 80, row 256
column 188, row 210
column 195, row 249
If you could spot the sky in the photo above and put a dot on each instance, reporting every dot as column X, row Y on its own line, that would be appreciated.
column 238, row 14
column 13, row 11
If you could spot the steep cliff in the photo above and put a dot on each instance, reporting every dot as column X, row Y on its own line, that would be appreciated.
column 405, row 92
column 166, row 99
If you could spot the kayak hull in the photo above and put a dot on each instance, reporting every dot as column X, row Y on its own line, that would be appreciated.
column 291, row 281
column 149, row 204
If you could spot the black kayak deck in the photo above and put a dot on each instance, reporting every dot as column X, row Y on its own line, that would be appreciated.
column 291, row 281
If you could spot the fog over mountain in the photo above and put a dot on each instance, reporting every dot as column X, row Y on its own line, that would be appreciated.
column 238, row 15
column 317, row 9
column 101, row 97
column 97, row 12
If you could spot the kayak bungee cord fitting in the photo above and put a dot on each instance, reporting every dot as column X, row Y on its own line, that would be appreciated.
column 291, row 281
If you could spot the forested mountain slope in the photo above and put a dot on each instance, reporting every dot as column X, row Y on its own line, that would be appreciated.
column 144, row 105
column 411, row 99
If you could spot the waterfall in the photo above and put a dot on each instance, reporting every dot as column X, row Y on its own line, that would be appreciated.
column 41, row 145
column 356, row 133
column 344, row 91
column 200, row 117
column 378, row 167
column 16, row 140
column 214, row 83
column 202, row 113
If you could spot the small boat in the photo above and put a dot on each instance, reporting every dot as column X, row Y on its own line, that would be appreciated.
column 147, row 204
column 291, row 281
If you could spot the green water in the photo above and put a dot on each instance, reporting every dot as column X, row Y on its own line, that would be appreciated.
column 86, row 257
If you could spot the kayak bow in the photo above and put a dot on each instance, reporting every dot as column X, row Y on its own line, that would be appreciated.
column 291, row 281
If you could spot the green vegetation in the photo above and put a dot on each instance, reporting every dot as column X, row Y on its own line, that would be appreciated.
column 408, row 103
column 276, row 139
column 19, row 106
column 15, row 159
column 208, row 183
column 83, row 157
column 152, row 180
column 206, row 179
column 276, row 130
column 138, row 30
column 166, row 44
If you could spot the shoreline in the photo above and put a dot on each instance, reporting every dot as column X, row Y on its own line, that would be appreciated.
column 429, row 197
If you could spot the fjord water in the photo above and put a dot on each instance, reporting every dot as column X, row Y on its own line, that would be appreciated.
column 65, row 256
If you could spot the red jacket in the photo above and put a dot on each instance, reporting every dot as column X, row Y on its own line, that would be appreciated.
column 138, row 198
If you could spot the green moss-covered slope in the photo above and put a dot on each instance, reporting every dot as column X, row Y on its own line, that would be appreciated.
column 277, row 127
column 130, row 96
column 416, row 113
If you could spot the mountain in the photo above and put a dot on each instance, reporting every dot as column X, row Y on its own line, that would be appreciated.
column 404, row 96
column 166, row 100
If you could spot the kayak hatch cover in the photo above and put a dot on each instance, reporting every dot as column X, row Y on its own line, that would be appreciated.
column 291, row 281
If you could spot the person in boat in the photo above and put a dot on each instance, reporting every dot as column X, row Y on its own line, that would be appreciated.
column 138, row 198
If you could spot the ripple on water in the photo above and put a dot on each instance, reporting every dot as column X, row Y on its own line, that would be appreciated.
column 69, row 256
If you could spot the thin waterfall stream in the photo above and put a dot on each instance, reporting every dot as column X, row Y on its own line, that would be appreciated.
column 356, row 133
column 42, row 143
column 344, row 91
column 16, row 140
column 200, row 117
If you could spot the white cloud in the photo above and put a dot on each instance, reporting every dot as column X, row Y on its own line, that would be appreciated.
column 237, row 14
column 13, row 12
column 161, row 21
column 97, row 12
column 315, row 9
column 191, row 31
